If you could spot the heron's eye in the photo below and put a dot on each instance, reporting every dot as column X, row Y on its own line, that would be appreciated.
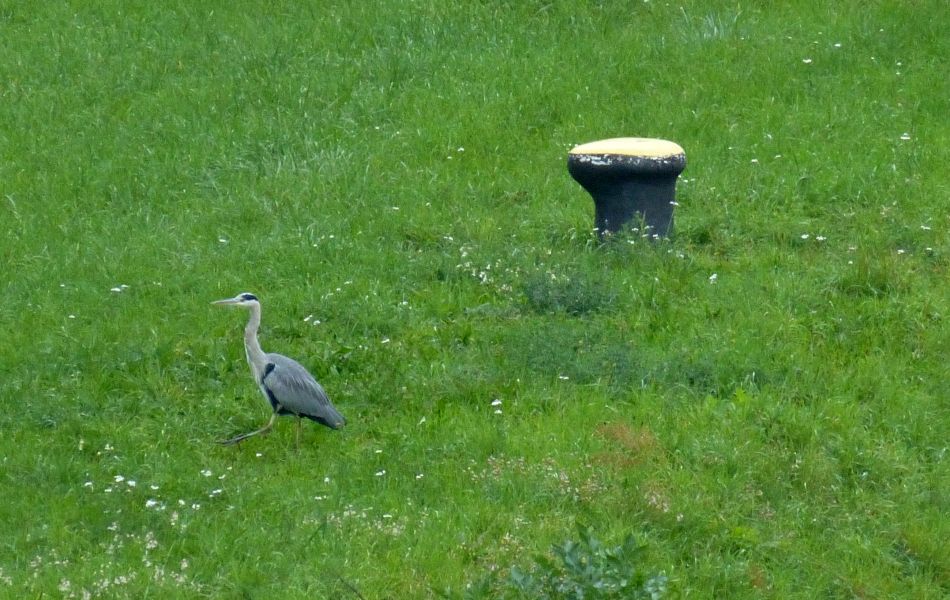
column 248, row 297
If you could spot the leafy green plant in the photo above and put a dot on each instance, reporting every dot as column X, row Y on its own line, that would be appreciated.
column 586, row 568
column 577, row 294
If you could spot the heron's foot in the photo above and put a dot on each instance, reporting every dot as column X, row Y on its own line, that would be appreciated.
column 240, row 438
column 263, row 430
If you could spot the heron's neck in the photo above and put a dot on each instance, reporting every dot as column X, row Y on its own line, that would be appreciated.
column 255, row 356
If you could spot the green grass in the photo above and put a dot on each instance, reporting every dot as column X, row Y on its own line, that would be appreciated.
column 390, row 179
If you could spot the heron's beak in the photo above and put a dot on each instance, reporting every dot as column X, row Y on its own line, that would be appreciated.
column 226, row 302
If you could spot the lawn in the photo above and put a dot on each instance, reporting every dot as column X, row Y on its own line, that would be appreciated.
column 760, row 401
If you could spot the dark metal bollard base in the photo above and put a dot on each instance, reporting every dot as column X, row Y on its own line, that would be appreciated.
column 631, row 180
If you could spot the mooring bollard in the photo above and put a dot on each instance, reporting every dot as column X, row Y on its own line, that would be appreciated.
column 629, row 178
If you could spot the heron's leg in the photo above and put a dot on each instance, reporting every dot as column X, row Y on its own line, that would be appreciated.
column 299, row 419
column 242, row 437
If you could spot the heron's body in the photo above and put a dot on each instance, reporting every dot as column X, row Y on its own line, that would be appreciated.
column 291, row 390
column 286, row 384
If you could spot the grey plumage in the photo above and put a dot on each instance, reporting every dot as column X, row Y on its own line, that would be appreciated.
column 285, row 383
column 295, row 390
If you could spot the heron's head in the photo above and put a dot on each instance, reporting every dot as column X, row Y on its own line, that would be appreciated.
column 244, row 299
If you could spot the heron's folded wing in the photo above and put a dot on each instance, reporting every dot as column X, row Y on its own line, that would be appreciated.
column 297, row 391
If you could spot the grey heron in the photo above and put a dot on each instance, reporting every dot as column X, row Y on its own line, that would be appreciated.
column 285, row 383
